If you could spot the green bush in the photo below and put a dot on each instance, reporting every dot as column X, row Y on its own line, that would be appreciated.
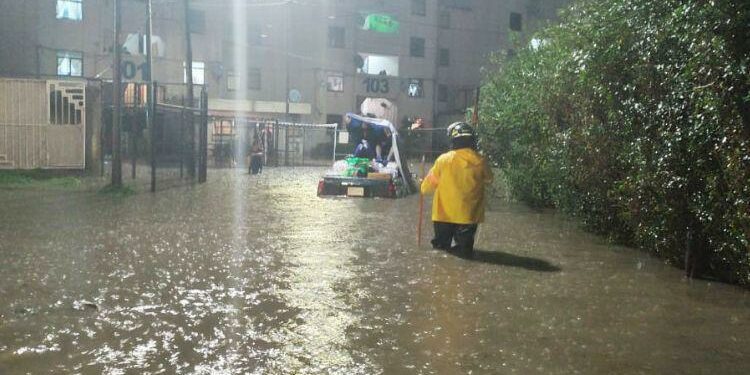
column 634, row 116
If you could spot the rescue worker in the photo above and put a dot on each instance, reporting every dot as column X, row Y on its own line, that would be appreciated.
column 458, row 179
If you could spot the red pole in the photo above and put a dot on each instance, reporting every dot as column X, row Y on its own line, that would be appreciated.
column 421, row 208
column 475, row 112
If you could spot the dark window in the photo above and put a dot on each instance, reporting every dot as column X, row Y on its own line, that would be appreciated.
column 465, row 98
column 516, row 21
column 418, row 7
column 197, row 21
column 416, row 47
column 336, row 37
column 253, row 79
column 333, row 118
column 445, row 20
column 442, row 93
column 416, row 88
column 444, row 58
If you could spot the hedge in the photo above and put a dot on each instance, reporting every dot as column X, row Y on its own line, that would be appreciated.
column 634, row 116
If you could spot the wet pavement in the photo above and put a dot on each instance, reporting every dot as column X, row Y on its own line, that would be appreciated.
column 256, row 275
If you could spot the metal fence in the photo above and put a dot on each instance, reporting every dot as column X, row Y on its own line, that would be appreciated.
column 173, row 150
column 232, row 140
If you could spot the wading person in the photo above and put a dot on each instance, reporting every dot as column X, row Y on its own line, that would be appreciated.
column 458, row 179
column 256, row 157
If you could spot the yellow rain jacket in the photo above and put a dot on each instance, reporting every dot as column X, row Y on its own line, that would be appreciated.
column 458, row 179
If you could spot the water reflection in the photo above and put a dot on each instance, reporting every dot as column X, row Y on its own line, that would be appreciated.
column 317, row 250
column 257, row 275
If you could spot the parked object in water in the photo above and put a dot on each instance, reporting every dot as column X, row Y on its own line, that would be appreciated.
column 365, row 174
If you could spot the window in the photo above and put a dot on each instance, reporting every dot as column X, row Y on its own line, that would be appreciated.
column 442, row 93
column 197, row 20
column 69, row 10
column 516, row 21
column 445, row 20
column 69, row 63
column 418, row 7
column 464, row 98
column 134, row 94
column 444, row 57
column 253, row 79
column 336, row 36
column 199, row 72
column 232, row 81
column 416, row 47
column 416, row 88
column 335, row 82
column 378, row 64
column 333, row 118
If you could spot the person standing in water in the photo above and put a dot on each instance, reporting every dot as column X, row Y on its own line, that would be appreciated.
column 458, row 180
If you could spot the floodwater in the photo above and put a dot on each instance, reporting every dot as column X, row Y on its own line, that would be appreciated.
column 256, row 275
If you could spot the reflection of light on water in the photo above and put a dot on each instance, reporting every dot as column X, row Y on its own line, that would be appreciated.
column 317, row 341
column 240, row 30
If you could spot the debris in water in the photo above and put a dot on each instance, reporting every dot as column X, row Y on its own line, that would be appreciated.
column 85, row 305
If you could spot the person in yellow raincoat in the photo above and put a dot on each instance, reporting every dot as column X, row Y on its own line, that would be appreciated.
column 458, row 179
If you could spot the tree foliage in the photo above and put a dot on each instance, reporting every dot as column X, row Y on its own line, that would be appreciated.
column 634, row 115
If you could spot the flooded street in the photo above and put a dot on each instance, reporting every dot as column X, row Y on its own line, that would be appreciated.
column 256, row 275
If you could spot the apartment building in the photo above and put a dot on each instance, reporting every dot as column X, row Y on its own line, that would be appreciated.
column 303, row 60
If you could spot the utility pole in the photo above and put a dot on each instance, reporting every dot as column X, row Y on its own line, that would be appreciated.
column 286, row 60
column 286, row 93
column 150, row 99
column 189, row 79
column 117, row 100
column 203, row 137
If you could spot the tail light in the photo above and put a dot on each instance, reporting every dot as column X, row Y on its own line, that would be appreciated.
column 321, row 187
column 391, row 189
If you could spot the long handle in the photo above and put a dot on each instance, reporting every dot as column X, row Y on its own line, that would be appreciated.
column 421, row 208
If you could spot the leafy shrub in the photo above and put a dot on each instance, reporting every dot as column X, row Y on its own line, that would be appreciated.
column 634, row 116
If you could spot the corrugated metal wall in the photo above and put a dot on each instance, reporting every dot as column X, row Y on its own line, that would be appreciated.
column 35, row 132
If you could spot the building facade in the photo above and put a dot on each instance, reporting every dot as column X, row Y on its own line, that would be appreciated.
column 302, row 60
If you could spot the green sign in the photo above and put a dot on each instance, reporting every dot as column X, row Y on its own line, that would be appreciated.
column 381, row 23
